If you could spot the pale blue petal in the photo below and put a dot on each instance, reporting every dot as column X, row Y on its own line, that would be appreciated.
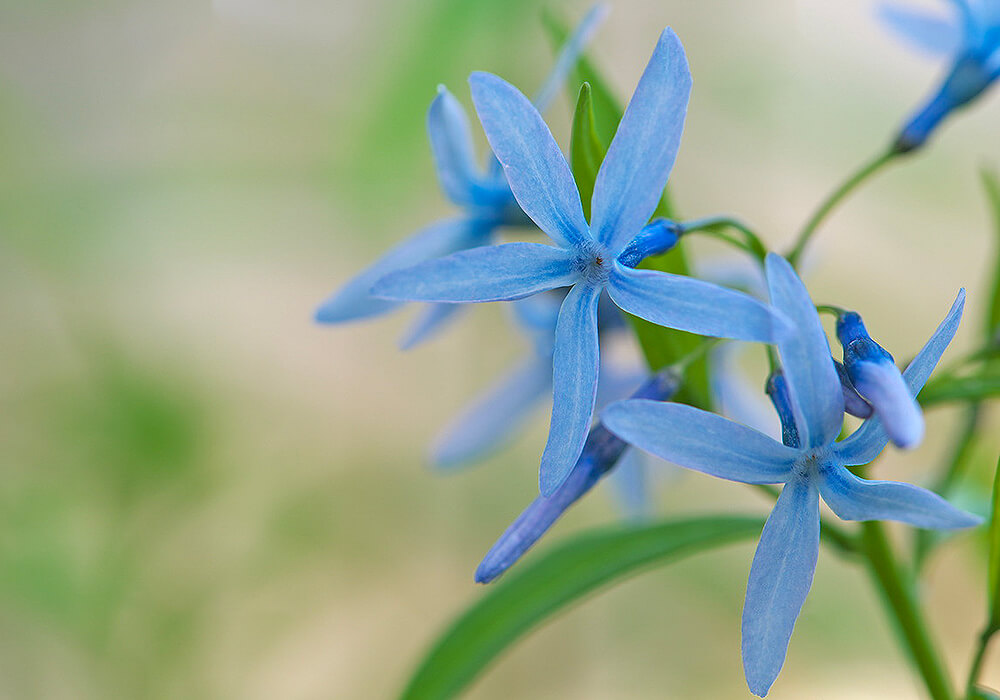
column 805, row 358
column 780, row 578
column 536, row 169
column 434, row 319
column 490, row 273
column 353, row 301
column 638, row 162
column 696, row 439
column 882, row 385
column 691, row 305
column 575, row 366
column 853, row 498
column 493, row 418
column 865, row 443
column 569, row 55
column 927, row 32
column 451, row 144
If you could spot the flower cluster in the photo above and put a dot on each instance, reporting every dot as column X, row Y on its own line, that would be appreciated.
column 569, row 296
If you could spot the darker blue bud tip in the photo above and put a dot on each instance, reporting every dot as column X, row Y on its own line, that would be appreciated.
column 858, row 345
column 658, row 236
column 777, row 391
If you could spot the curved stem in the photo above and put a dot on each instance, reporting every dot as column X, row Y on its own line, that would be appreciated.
column 901, row 602
column 977, row 661
column 835, row 198
column 752, row 243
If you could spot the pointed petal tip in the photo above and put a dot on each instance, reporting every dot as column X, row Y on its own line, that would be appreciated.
column 485, row 574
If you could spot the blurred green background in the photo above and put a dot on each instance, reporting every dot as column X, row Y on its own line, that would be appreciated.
column 205, row 495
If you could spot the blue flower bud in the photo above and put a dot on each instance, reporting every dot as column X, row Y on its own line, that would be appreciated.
column 853, row 401
column 600, row 455
column 876, row 378
column 658, row 236
column 777, row 391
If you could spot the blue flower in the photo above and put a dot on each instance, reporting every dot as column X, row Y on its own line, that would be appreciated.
column 809, row 461
column 602, row 453
column 877, row 380
column 483, row 196
column 626, row 191
column 971, row 37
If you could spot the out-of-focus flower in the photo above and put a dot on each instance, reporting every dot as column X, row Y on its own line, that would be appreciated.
column 971, row 37
column 626, row 191
column 809, row 462
column 483, row 196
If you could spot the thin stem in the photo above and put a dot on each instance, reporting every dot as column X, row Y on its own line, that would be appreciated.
column 835, row 198
column 901, row 602
column 752, row 243
column 978, row 659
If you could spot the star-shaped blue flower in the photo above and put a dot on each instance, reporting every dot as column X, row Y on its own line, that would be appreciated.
column 483, row 196
column 809, row 461
column 971, row 37
column 626, row 191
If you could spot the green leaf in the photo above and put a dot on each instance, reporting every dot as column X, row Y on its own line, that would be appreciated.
column 993, row 567
column 607, row 108
column 585, row 149
column 972, row 388
column 992, row 185
column 536, row 591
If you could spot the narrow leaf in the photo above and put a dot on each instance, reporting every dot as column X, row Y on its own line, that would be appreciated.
column 993, row 567
column 992, row 185
column 972, row 388
column 533, row 593
column 585, row 149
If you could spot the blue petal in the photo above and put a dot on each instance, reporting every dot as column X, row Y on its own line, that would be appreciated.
column 780, row 578
column 493, row 418
column 865, row 443
column 805, row 358
column 853, row 403
column 434, row 319
column 353, row 301
column 696, row 439
column 883, row 387
column 853, row 498
column 931, row 33
column 635, row 170
column 569, row 55
column 575, row 365
column 536, row 170
column 451, row 144
column 691, row 305
column 490, row 273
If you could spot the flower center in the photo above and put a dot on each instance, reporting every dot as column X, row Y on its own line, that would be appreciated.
column 591, row 262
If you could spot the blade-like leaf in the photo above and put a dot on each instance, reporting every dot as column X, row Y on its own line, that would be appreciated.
column 994, row 559
column 976, row 387
column 544, row 587
column 585, row 149
column 607, row 108
column 992, row 185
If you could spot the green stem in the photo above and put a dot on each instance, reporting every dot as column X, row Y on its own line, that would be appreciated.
column 709, row 224
column 835, row 198
column 901, row 602
column 978, row 659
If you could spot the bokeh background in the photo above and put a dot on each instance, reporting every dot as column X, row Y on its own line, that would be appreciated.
column 205, row 495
